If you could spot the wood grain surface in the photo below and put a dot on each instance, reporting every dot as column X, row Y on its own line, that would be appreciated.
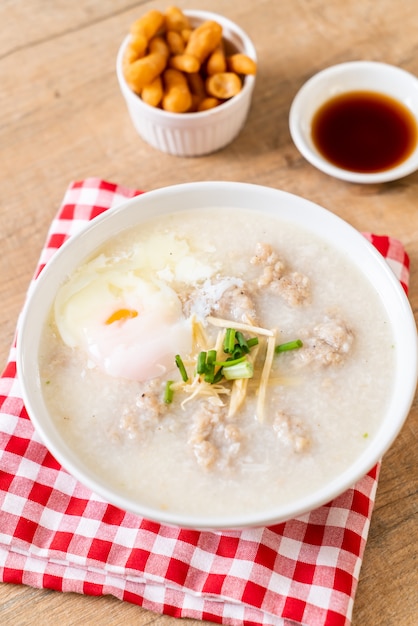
column 62, row 118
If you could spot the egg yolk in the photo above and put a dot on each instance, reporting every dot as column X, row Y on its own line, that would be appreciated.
column 121, row 315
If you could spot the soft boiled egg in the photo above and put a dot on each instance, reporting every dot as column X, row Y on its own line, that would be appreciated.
column 129, row 326
column 122, row 309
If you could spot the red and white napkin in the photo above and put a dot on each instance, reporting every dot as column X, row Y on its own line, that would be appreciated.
column 56, row 534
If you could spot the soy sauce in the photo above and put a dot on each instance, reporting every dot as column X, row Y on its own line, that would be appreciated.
column 364, row 131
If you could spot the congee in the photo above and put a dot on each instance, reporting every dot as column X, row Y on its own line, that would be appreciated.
column 217, row 365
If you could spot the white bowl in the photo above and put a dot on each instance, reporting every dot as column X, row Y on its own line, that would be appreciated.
column 193, row 134
column 352, row 76
column 204, row 196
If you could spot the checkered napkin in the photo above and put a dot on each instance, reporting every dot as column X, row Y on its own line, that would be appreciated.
column 56, row 534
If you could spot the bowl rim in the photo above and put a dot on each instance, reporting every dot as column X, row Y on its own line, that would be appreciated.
column 248, row 83
column 139, row 208
column 299, row 120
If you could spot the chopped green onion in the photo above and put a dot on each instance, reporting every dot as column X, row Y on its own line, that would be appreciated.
column 201, row 363
column 230, row 362
column 168, row 392
column 290, row 345
column 218, row 376
column 242, row 342
column 237, row 347
column 210, row 366
column 211, row 357
column 238, row 352
column 229, row 341
column 210, row 373
column 244, row 369
column 182, row 369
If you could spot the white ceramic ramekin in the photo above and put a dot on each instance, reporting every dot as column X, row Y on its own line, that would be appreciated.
column 193, row 134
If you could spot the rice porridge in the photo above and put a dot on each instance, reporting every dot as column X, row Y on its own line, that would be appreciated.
column 210, row 366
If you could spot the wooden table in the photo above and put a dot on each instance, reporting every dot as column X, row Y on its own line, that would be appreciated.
column 62, row 118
